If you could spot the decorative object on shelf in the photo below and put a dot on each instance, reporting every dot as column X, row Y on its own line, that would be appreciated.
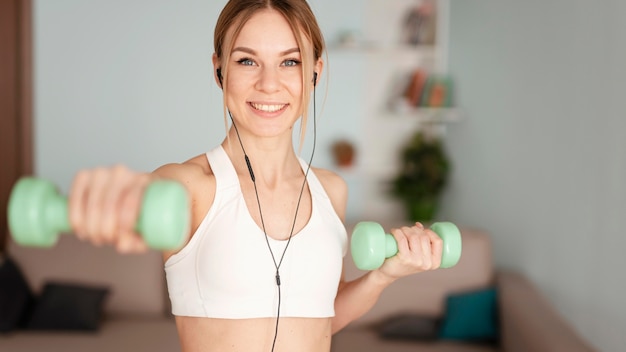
column 415, row 90
column 420, row 24
column 422, row 177
column 437, row 92
column 421, row 89
column 343, row 153
column 348, row 39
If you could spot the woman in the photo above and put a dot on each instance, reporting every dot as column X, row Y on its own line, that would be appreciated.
column 261, row 269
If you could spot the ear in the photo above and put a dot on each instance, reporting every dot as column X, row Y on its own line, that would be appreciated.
column 217, row 64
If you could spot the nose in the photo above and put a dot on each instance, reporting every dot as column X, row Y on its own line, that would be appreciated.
column 268, row 80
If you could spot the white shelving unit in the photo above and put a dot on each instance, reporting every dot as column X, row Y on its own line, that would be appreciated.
column 383, row 58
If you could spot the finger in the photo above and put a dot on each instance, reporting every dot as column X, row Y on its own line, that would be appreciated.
column 401, row 241
column 436, row 247
column 130, row 242
column 117, row 185
column 76, row 203
column 427, row 258
column 130, row 205
column 420, row 240
column 138, row 245
column 123, row 244
column 129, row 212
column 413, row 236
column 94, row 201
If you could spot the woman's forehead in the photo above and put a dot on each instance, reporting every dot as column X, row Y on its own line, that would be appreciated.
column 266, row 30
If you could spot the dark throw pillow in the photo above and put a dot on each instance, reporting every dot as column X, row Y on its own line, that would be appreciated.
column 471, row 316
column 410, row 327
column 16, row 297
column 63, row 306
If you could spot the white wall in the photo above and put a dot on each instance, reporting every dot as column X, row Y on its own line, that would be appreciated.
column 131, row 82
column 123, row 82
column 540, row 160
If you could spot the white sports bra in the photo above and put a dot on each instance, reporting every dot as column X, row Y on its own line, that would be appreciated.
column 226, row 270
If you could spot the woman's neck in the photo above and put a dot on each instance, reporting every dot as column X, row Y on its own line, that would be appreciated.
column 273, row 160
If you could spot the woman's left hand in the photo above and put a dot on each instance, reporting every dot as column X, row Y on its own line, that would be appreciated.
column 419, row 250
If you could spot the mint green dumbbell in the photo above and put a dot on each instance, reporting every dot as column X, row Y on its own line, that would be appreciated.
column 38, row 214
column 370, row 245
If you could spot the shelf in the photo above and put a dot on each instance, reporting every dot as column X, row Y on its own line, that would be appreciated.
column 427, row 115
column 385, row 50
column 414, row 55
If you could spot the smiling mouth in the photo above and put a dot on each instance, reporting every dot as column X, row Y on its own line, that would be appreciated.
column 268, row 107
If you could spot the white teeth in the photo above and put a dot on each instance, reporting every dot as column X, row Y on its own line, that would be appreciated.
column 267, row 108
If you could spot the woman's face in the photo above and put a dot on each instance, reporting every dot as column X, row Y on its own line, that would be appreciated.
column 264, row 87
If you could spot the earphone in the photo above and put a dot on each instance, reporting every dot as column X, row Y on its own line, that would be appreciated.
column 218, row 71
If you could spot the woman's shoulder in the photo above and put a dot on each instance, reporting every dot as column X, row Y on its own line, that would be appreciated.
column 336, row 188
column 196, row 167
column 195, row 174
column 199, row 163
column 329, row 179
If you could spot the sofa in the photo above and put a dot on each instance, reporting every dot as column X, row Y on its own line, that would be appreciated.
column 112, row 302
column 471, row 307
column 409, row 316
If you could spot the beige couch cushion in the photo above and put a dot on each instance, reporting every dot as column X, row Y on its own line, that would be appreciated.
column 136, row 282
column 425, row 293
column 130, row 334
column 349, row 340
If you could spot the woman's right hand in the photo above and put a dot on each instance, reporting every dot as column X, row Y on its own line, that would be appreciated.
column 104, row 206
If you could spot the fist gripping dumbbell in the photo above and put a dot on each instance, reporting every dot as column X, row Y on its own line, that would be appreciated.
column 370, row 245
column 38, row 214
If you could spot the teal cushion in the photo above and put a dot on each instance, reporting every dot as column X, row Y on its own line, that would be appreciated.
column 471, row 316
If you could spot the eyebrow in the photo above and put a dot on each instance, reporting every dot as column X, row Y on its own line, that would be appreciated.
column 252, row 52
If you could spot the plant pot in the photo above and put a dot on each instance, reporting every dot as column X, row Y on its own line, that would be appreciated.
column 422, row 210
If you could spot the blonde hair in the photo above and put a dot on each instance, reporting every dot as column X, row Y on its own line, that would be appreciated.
column 305, row 29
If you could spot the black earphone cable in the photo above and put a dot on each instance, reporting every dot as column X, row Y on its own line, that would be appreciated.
column 306, row 173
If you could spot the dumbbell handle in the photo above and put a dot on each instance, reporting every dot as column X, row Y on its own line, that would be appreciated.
column 57, row 215
column 391, row 246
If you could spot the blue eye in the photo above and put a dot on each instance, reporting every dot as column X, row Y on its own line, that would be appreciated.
column 245, row 62
column 291, row 63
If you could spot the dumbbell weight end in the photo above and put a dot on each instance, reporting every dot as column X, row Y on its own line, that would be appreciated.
column 165, row 218
column 366, row 249
column 37, row 213
column 452, row 244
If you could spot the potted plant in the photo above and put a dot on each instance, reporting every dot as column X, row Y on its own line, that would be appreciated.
column 422, row 177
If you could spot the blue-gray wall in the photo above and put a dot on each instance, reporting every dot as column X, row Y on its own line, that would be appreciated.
column 540, row 160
